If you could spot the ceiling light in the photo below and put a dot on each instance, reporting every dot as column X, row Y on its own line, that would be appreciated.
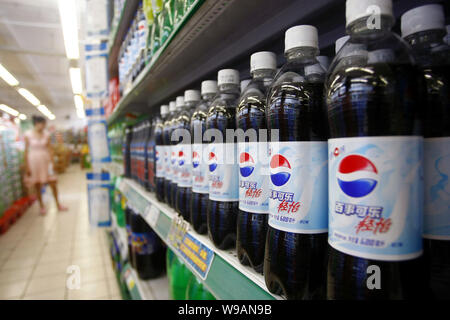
column 75, row 79
column 9, row 110
column 79, row 104
column 29, row 96
column 80, row 113
column 46, row 112
column 22, row 116
column 68, row 15
column 8, row 77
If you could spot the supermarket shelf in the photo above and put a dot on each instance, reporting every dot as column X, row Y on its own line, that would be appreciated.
column 121, row 237
column 154, row 289
column 221, row 33
column 227, row 278
column 118, row 33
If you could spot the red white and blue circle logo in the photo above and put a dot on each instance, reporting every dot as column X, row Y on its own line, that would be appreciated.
column 181, row 158
column 357, row 176
column 172, row 158
column 195, row 159
column 280, row 170
column 157, row 156
column 246, row 164
column 212, row 161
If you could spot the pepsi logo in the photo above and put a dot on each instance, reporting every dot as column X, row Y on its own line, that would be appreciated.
column 195, row 159
column 357, row 176
column 157, row 155
column 212, row 161
column 172, row 158
column 246, row 164
column 181, row 159
column 280, row 170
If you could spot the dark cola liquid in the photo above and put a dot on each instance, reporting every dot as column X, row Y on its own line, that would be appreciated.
column 251, row 227
column 437, row 124
column 199, row 201
column 377, row 100
column 183, row 194
column 166, row 142
column 148, row 251
column 295, row 263
column 159, row 181
column 128, row 217
column 127, row 153
column 150, row 159
column 221, row 215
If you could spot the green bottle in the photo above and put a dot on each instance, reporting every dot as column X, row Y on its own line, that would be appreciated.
column 179, row 278
column 196, row 291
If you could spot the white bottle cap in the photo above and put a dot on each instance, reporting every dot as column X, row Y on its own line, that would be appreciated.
column 180, row 101
column 244, row 84
column 428, row 17
column 301, row 36
column 340, row 42
column 263, row 60
column 191, row 95
column 209, row 86
column 356, row 9
column 172, row 106
column 324, row 62
column 228, row 76
column 164, row 109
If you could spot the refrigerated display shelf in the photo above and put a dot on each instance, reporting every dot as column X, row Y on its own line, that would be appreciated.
column 227, row 278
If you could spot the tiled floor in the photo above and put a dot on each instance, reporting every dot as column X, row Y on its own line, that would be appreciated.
column 36, row 252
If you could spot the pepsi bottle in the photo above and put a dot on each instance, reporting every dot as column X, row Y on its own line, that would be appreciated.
column 296, row 247
column 167, row 133
column 175, row 142
column 223, row 169
column 200, row 183
column 147, row 249
column 128, row 217
column 375, row 162
column 253, row 163
column 126, row 151
column 133, row 153
column 424, row 28
column 160, row 157
column 183, row 195
column 150, row 154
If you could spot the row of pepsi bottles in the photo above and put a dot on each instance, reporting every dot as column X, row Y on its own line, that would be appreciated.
column 352, row 201
column 146, row 251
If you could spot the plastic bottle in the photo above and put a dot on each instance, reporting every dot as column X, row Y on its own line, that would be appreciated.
column 223, row 168
column 253, row 162
column 150, row 154
column 296, row 246
column 167, row 132
column 424, row 28
column 196, row 290
column 160, row 153
column 175, row 151
column 127, row 152
column 128, row 217
column 179, row 279
column 200, row 183
column 184, row 191
column 375, row 161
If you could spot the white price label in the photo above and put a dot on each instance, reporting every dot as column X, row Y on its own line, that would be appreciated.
column 152, row 215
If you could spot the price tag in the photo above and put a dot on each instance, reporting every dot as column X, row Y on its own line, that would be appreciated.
column 177, row 231
column 151, row 215
column 129, row 279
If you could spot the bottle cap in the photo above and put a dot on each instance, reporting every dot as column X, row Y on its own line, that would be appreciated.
column 340, row 42
column 191, row 95
column 356, row 9
column 209, row 86
column 324, row 62
column 301, row 36
column 180, row 102
column 428, row 17
column 244, row 84
column 263, row 60
column 172, row 106
column 164, row 109
column 228, row 76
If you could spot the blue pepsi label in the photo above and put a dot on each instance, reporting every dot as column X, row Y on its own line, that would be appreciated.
column 253, row 177
column 159, row 157
column 299, row 190
column 437, row 188
column 184, row 165
column 167, row 168
column 173, row 163
column 223, row 172
column 199, row 168
column 144, row 243
column 376, row 196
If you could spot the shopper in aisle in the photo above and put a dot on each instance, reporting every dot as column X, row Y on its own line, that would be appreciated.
column 39, row 161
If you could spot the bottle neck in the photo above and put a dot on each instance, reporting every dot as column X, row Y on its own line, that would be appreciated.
column 428, row 38
column 368, row 27
column 304, row 55
column 229, row 89
column 261, row 74
column 209, row 96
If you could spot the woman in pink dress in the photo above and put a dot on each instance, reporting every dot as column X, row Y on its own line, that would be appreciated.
column 39, row 161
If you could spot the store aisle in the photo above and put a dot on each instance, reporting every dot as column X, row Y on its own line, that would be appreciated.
column 36, row 252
